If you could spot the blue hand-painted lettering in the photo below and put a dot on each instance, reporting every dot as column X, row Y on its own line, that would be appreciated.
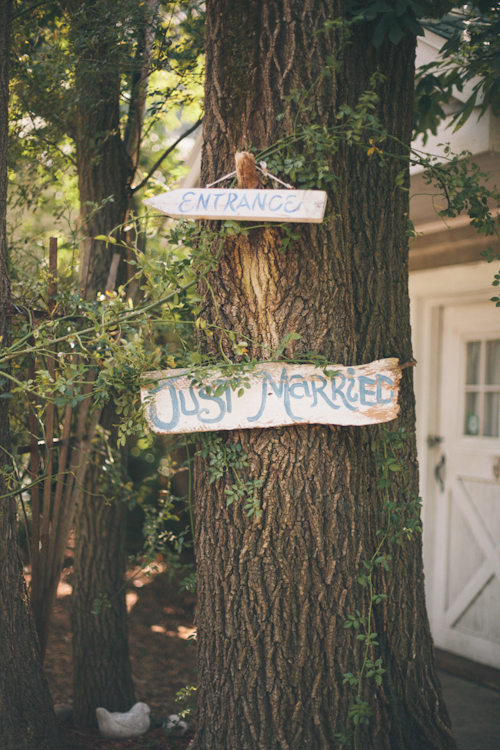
column 344, row 393
column 184, row 410
column 365, row 391
column 318, row 390
column 274, row 198
column 286, row 400
column 183, row 209
column 203, row 201
column 261, row 199
column 153, row 413
column 337, row 391
column 350, row 396
column 231, row 198
column 291, row 210
column 278, row 389
column 302, row 385
column 216, row 400
column 227, row 394
column 216, row 198
column 244, row 204
column 380, row 380
column 262, row 403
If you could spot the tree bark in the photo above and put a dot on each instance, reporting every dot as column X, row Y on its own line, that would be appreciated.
column 102, row 673
column 27, row 720
column 275, row 591
column 101, row 659
column 101, row 666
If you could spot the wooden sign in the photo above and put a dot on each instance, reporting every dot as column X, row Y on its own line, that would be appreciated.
column 279, row 395
column 242, row 205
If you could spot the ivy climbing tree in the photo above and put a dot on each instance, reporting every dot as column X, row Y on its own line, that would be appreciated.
column 307, row 639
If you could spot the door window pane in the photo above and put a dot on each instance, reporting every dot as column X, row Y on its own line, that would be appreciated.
column 473, row 360
column 471, row 426
column 493, row 362
column 491, row 414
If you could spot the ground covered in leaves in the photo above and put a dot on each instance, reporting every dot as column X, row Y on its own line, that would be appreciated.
column 161, row 620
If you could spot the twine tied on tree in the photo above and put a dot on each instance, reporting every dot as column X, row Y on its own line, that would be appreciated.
column 247, row 172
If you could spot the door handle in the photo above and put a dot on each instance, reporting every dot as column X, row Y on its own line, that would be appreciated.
column 433, row 440
column 439, row 472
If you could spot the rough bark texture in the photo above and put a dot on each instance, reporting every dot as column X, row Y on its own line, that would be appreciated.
column 101, row 659
column 27, row 720
column 100, row 644
column 103, row 181
column 102, row 672
column 274, row 592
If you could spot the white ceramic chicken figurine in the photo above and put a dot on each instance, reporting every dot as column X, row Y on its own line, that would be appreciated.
column 124, row 726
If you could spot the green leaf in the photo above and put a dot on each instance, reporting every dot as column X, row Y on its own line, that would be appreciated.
column 414, row 26
column 463, row 114
column 106, row 238
column 380, row 32
column 396, row 33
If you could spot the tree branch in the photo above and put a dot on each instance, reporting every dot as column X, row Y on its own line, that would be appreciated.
column 164, row 156
column 28, row 10
column 140, row 82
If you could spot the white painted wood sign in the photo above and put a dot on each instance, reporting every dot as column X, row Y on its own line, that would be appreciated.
column 242, row 205
column 279, row 395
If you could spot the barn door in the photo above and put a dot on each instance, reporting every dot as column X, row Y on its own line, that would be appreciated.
column 467, row 569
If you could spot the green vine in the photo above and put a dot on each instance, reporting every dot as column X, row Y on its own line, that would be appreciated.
column 402, row 521
column 224, row 458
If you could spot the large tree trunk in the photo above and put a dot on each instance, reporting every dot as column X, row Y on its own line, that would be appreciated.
column 274, row 592
column 27, row 720
column 102, row 672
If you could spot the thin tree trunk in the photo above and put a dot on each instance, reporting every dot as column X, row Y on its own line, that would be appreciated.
column 102, row 672
column 27, row 720
column 101, row 660
column 274, row 592
column 106, row 165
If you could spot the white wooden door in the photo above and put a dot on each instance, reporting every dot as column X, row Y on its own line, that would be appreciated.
column 467, row 556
